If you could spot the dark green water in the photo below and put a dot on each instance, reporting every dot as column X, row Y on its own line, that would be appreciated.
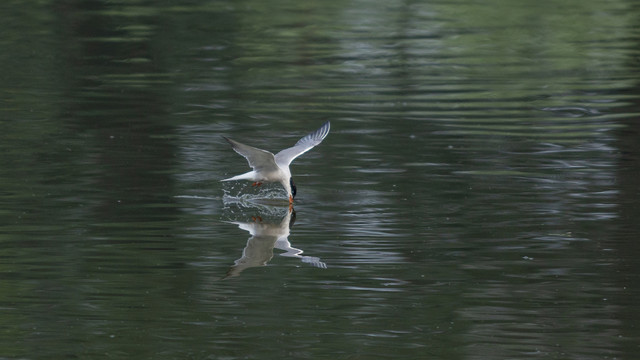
column 477, row 197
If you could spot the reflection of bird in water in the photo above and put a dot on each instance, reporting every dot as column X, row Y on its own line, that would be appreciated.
column 264, row 238
column 275, row 168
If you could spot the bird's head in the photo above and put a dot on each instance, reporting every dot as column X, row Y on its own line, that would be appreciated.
column 293, row 187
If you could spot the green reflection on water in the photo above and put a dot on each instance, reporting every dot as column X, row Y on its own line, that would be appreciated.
column 475, row 199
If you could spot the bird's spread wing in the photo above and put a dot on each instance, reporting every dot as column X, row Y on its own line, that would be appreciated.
column 259, row 160
column 286, row 156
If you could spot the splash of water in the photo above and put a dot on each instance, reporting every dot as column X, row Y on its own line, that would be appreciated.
column 268, row 198
column 244, row 191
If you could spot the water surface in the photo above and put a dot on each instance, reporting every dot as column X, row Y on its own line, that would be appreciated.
column 475, row 199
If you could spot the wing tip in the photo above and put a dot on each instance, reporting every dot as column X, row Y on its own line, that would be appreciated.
column 233, row 143
column 323, row 131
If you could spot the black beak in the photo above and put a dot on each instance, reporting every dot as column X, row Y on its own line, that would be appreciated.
column 293, row 187
column 292, row 220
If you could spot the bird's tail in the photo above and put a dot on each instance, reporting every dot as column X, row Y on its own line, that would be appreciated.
column 245, row 176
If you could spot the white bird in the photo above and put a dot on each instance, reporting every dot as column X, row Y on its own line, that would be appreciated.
column 275, row 168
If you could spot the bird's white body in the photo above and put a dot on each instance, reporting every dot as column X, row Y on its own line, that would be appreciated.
column 268, row 167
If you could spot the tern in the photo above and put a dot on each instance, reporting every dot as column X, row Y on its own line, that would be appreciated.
column 268, row 167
